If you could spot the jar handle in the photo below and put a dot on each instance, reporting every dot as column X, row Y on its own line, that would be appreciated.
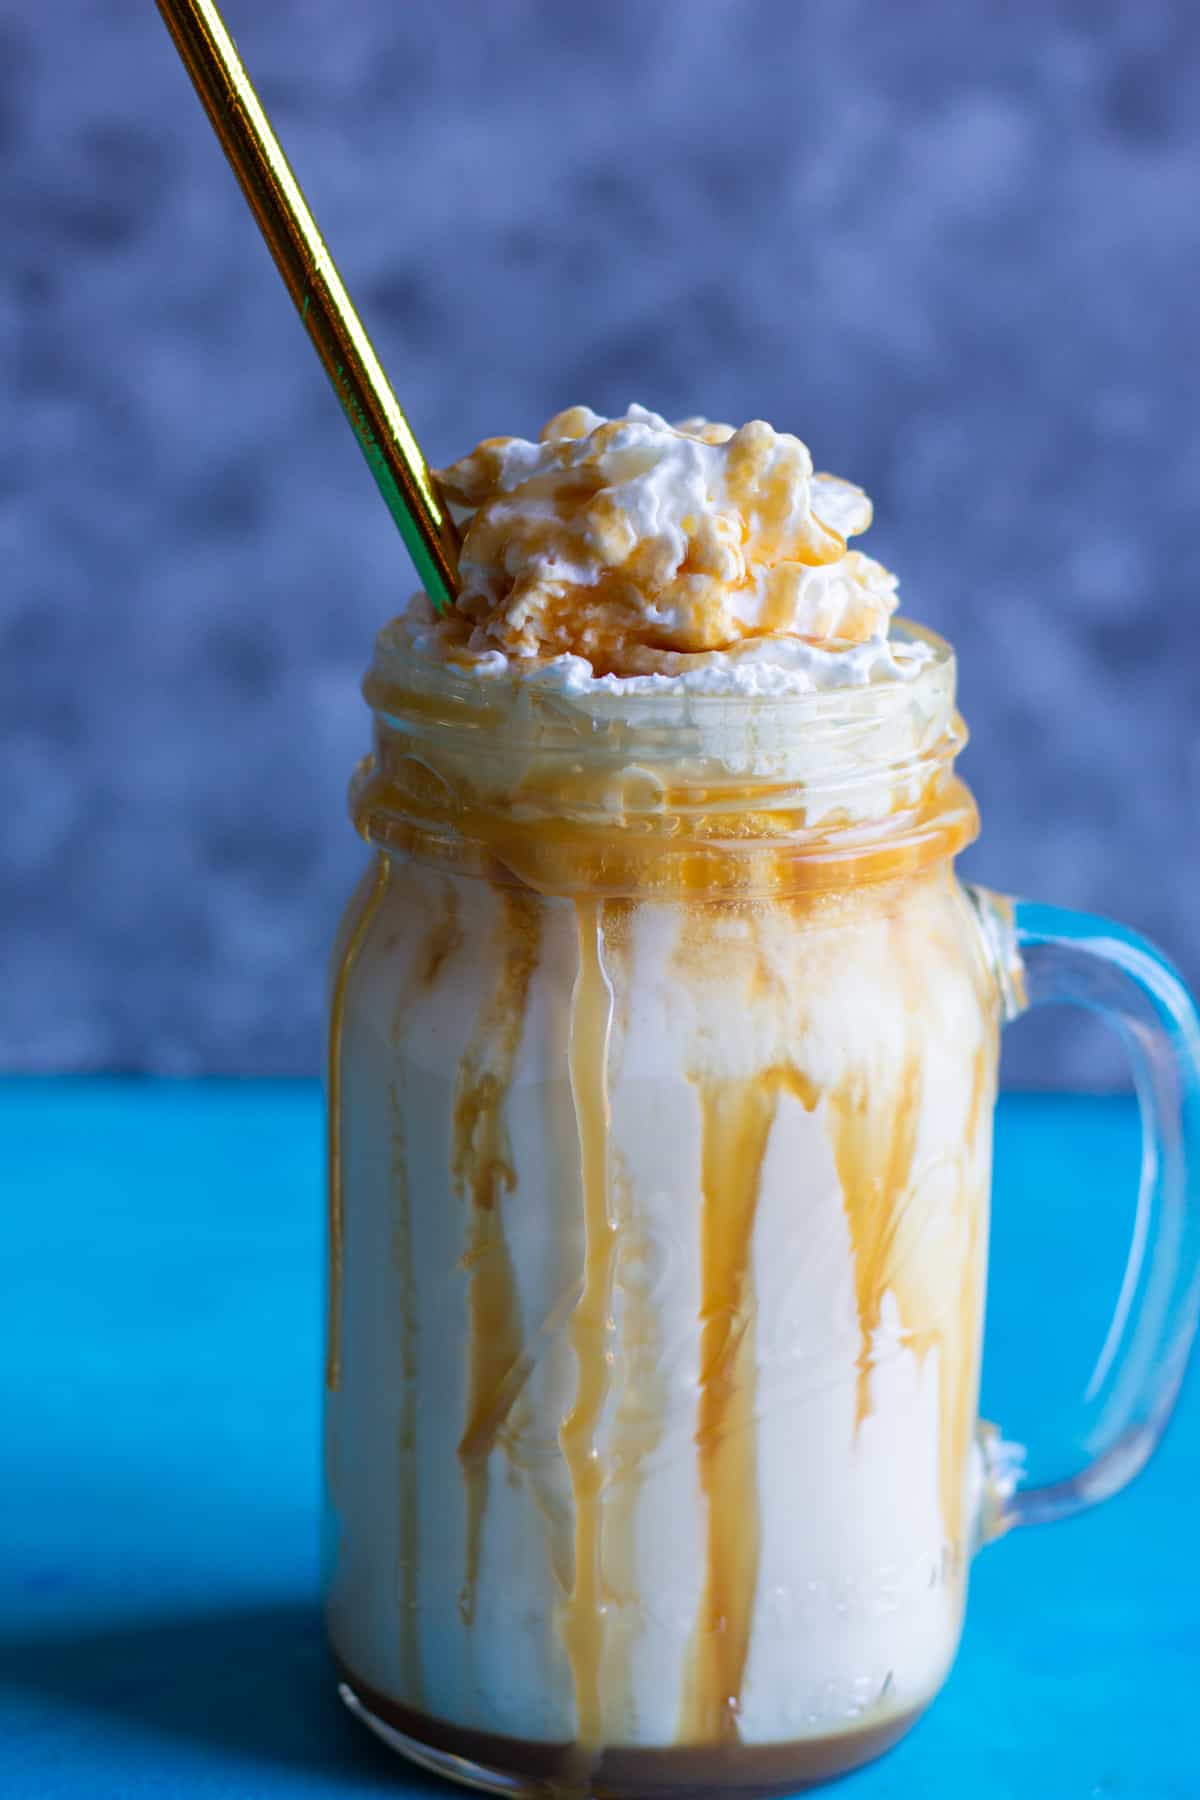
column 1048, row 955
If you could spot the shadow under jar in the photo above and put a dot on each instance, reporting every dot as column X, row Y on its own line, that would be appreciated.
column 662, row 1067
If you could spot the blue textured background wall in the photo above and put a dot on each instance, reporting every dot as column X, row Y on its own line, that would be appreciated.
column 955, row 247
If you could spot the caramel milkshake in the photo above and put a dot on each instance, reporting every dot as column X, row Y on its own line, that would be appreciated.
column 662, row 1062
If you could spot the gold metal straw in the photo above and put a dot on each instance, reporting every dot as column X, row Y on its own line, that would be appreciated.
column 211, row 59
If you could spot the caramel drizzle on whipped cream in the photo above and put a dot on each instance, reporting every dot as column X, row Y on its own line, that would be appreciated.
column 631, row 541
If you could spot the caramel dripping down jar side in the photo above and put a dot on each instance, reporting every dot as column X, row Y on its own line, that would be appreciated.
column 658, row 1233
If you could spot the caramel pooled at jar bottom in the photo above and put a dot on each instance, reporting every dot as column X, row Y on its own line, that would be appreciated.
column 660, row 1153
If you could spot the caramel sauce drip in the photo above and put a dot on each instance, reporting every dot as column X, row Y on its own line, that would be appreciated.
column 483, row 1173
column 737, row 1115
column 874, row 1131
column 874, row 1134
column 983, row 1074
column 960, row 1372
column 444, row 938
column 351, row 939
column 592, row 1327
column 639, row 1425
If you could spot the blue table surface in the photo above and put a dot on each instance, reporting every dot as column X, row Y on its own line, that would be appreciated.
column 159, row 1624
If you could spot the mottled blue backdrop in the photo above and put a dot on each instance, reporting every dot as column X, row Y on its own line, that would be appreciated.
column 955, row 247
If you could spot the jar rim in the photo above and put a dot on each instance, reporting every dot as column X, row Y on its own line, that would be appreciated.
column 549, row 783
column 399, row 680
column 495, row 738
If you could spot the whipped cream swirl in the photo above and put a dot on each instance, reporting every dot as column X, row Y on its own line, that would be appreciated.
column 631, row 551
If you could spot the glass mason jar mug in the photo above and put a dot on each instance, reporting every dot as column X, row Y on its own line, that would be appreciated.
column 662, row 1065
